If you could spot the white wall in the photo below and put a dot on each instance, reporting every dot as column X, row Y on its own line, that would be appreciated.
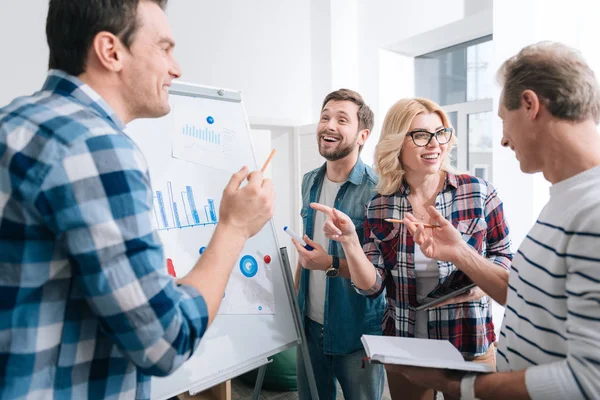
column 344, row 37
column 25, row 53
column 262, row 48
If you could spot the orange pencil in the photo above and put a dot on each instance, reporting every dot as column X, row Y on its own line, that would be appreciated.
column 416, row 223
column 268, row 161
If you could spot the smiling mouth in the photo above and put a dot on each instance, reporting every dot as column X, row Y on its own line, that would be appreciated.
column 430, row 156
column 329, row 139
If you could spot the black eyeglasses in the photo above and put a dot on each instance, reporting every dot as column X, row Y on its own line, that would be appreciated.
column 422, row 138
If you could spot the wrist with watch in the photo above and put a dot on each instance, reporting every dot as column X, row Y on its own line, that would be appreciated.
column 334, row 268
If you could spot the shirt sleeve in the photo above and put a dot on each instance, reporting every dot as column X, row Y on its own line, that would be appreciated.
column 374, row 255
column 498, row 239
column 578, row 376
column 98, row 202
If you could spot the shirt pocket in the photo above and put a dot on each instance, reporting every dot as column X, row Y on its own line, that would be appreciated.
column 384, row 231
column 386, row 237
column 304, row 215
column 474, row 232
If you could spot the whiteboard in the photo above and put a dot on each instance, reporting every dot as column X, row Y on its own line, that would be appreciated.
column 191, row 154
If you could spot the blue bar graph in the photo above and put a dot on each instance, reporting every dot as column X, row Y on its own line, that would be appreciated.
column 213, row 213
column 192, row 202
column 176, row 213
column 173, row 219
column 203, row 134
column 185, row 211
column 161, row 204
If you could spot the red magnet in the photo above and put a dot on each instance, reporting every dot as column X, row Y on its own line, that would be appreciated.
column 171, row 268
column 267, row 259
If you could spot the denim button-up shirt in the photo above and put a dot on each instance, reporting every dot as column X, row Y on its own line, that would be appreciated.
column 348, row 315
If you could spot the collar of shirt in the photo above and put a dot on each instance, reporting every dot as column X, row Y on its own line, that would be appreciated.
column 68, row 85
column 356, row 175
column 450, row 182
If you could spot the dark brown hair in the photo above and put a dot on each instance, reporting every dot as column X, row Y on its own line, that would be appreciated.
column 72, row 25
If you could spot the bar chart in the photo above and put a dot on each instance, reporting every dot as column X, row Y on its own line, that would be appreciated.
column 206, row 135
column 179, row 209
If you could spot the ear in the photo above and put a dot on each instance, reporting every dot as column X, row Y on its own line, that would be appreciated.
column 531, row 103
column 108, row 50
column 363, row 136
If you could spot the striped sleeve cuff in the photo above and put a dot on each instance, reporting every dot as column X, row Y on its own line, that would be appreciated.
column 552, row 382
column 374, row 290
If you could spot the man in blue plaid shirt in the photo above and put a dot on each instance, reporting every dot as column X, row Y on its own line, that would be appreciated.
column 87, row 309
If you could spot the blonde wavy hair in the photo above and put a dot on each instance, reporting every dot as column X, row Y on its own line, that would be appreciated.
column 393, row 133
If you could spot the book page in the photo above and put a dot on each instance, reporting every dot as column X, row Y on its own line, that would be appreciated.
column 410, row 348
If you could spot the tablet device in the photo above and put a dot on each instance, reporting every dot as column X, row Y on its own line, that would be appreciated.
column 457, row 283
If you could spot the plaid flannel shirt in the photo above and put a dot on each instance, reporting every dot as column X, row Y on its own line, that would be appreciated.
column 87, row 309
column 473, row 207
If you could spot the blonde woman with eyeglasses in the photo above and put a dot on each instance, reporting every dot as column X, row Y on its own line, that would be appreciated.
column 412, row 159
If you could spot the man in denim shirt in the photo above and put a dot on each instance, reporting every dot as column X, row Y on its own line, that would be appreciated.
column 335, row 316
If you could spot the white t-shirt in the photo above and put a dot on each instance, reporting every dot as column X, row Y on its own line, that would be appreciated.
column 428, row 277
column 317, row 282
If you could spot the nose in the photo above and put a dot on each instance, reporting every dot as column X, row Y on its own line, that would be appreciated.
column 330, row 125
column 433, row 143
column 175, row 69
column 504, row 142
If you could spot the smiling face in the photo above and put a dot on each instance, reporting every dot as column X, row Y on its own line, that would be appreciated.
column 337, row 132
column 149, row 67
column 425, row 160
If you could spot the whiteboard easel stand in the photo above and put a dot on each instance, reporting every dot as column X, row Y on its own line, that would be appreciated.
column 260, row 377
column 288, row 277
column 179, row 381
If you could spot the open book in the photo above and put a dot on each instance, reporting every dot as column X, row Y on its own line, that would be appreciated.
column 427, row 353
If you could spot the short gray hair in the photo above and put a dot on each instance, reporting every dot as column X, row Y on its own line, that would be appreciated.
column 559, row 75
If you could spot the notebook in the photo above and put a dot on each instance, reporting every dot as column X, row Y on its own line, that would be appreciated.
column 427, row 353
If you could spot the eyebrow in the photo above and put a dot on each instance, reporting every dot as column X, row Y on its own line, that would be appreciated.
column 425, row 130
column 339, row 112
column 168, row 41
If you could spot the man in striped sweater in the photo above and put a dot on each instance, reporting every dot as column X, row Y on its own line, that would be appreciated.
column 550, row 341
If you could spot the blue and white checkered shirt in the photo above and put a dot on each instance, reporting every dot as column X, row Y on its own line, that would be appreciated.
column 87, row 309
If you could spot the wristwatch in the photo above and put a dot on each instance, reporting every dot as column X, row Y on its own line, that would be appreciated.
column 467, row 387
column 334, row 269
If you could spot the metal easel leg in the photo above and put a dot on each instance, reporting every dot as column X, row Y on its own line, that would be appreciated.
column 259, row 382
column 287, row 274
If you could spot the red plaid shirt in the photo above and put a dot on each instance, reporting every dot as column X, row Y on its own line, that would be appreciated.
column 473, row 207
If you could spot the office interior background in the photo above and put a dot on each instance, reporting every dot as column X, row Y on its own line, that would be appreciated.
column 286, row 55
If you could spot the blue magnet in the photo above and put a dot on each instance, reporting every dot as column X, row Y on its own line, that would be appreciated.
column 248, row 266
